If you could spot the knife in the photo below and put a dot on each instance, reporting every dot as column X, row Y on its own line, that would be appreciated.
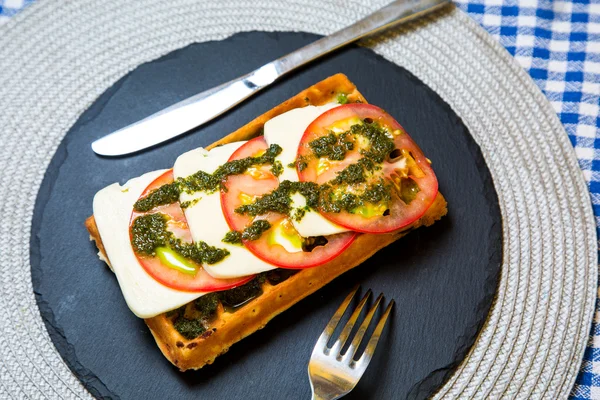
column 203, row 107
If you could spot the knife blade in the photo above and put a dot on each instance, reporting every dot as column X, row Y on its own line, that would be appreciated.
column 205, row 106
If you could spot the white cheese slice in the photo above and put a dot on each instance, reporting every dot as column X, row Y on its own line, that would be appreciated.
column 205, row 216
column 287, row 130
column 113, row 205
column 112, row 211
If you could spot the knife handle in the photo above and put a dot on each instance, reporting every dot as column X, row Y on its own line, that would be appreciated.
column 203, row 107
column 397, row 12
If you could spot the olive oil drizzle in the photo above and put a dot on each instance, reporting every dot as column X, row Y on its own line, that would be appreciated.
column 195, row 319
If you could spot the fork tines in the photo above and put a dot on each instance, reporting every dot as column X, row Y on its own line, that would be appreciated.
column 351, row 352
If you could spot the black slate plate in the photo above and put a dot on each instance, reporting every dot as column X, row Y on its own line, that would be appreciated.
column 443, row 278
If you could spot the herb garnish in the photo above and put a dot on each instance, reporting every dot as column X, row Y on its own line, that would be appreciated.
column 149, row 232
column 233, row 237
column 251, row 232
column 380, row 144
column 279, row 200
column 189, row 328
column 205, row 182
column 368, row 186
column 332, row 146
column 277, row 168
column 342, row 98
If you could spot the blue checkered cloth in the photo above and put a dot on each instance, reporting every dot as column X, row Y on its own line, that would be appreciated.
column 558, row 43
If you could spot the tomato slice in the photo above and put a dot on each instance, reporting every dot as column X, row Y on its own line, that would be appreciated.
column 200, row 281
column 405, row 170
column 244, row 189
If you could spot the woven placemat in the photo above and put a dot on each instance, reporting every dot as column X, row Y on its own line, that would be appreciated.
column 57, row 57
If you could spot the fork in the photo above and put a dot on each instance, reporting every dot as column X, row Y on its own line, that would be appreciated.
column 333, row 374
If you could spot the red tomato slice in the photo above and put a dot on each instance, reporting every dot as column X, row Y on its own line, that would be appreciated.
column 202, row 281
column 408, row 167
column 242, row 189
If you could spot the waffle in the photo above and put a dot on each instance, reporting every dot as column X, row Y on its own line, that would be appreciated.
column 226, row 327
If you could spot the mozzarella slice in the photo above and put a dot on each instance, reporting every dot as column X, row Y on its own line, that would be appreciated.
column 205, row 216
column 112, row 211
column 113, row 206
column 287, row 130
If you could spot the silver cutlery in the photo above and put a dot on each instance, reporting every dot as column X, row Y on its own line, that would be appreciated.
column 333, row 374
column 203, row 107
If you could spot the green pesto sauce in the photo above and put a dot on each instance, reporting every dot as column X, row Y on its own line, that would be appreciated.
column 237, row 167
column 150, row 231
column 375, row 193
column 299, row 213
column 256, row 229
column 186, row 204
column 252, row 232
column 326, row 197
column 380, row 144
column 318, row 197
column 332, row 146
column 353, row 174
column 204, row 182
column 279, row 200
column 331, row 196
column 277, row 168
column 189, row 328
column 233, row 237
column 335, row 146
column 342, row 98
column 193, row 319
column 166, row 194
column 198, row 182
column 300, row 163
column 207, row 305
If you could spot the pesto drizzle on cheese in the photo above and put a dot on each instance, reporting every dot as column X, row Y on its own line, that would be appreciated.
column 149, row 232
column 279, row 200
column 334, row 196
column 205, row 182
column 252, row 232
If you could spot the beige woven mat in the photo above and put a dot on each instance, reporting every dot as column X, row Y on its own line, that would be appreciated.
column 58, row 56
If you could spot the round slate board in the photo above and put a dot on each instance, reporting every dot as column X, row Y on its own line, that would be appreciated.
column 443, row 278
